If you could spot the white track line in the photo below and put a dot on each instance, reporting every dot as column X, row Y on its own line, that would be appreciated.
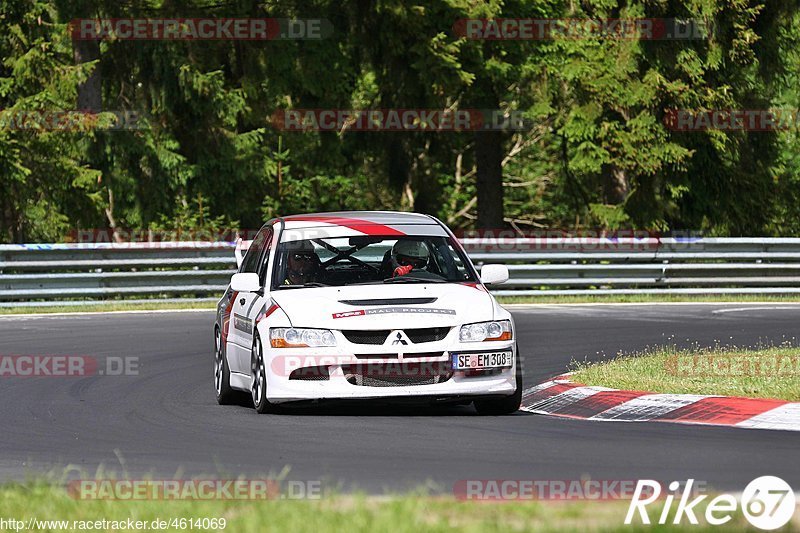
column 648, row 304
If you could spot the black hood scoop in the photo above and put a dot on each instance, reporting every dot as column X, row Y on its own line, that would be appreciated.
column 390, row 301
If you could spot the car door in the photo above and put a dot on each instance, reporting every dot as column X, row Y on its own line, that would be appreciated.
column 240, row 338
column 252, row 307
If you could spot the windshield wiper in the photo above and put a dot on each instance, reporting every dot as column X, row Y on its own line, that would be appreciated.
column 304, row 285
column 413, row 279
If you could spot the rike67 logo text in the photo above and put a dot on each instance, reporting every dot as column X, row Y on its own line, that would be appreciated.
column 767, row 502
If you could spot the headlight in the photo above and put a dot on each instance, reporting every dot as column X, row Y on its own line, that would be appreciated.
column 499, row 330
column 301, row 338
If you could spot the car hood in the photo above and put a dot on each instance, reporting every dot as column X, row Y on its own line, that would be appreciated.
column 386, row 306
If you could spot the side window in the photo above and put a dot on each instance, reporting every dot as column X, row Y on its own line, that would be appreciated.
column 250, row 263
column 450, row 260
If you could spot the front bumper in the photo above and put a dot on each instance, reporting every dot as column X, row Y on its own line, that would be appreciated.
column 340, row 383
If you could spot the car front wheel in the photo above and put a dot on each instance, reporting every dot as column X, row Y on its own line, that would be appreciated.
column 506, row 405
column 222, row 374
column 258, row 383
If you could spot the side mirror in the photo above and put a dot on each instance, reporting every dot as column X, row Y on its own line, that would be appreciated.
column 246, row 282
column 494, row 274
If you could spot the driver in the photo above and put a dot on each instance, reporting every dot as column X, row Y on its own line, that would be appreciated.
column 408, row 255
column 302, row 265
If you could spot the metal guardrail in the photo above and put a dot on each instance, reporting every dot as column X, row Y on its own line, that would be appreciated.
column 77, row 274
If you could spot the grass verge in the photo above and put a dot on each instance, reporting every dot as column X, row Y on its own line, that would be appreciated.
column 122, row 305
column 772, row 372
column 133, row 305
column 650, row 298
column 400, row 513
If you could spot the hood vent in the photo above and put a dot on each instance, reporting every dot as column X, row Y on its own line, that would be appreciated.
column 390, row 301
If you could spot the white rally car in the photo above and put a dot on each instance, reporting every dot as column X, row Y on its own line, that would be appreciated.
column 364, row 305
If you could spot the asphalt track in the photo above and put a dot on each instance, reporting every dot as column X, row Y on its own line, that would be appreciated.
column 166, row 422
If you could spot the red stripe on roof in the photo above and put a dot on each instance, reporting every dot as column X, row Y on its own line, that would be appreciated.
column 721, row 410
column 357, row 224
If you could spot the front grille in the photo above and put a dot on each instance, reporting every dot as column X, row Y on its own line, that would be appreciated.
column 310, row 373
column 426, row 334
column 366, row 336
column 397, row 374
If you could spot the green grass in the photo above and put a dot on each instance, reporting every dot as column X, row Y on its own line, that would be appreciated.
column 413, row 513
column 771, row 372
column 121, row 305
column 649, row 298
column 132, row 305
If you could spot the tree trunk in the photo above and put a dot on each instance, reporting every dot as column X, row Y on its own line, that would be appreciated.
column 615, row 184
column 489, row 159
column 90, row 97
column 7, row 218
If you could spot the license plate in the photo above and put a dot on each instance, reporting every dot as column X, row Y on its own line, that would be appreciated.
column 479, row 361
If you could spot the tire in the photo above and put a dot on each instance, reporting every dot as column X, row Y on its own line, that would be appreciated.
column 222, row 373
column 503, row 406
column 258, row 382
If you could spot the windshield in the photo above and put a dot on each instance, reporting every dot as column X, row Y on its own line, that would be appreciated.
column 369, row 260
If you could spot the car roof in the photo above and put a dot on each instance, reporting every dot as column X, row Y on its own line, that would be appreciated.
column 352, row 223
column 375, row 217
